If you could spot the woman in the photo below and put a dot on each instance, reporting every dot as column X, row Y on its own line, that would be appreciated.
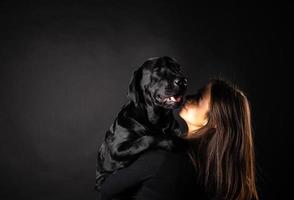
column 213, row 160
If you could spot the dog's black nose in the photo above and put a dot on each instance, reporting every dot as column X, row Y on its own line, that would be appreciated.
column 180, row 82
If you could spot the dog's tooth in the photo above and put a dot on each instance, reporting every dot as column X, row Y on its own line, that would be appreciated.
column 173, row 98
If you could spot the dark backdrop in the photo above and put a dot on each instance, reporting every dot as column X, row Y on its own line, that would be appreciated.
column 65, row 67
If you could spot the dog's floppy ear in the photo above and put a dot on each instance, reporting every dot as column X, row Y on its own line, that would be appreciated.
column 134, row 87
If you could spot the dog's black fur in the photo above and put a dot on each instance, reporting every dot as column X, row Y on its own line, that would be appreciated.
column 146, row 120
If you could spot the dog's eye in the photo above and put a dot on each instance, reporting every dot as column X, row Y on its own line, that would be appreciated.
column 179, row 69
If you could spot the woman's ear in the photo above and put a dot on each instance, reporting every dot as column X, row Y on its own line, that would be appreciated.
column 134, row 87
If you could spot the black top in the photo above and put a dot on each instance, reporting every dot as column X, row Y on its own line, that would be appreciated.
column 155, row 175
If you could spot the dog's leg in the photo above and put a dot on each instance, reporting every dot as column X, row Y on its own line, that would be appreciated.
column 122, row 150
column 139, row 145
column 100, row 178
column 165, row 144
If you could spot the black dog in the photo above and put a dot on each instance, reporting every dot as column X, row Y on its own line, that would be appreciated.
column 146, row 120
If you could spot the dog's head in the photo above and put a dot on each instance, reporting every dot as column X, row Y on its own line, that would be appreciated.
column 159, row 82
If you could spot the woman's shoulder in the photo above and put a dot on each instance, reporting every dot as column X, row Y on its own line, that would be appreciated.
column 153, row 158
column 165, row 163
column 173, row 178
column 179, row 151
column 150, row 160
column 161, row 158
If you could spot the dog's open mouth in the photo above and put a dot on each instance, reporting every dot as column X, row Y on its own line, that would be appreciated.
column 170, row 100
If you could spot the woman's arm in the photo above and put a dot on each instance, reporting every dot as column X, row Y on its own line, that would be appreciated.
column 132, row 176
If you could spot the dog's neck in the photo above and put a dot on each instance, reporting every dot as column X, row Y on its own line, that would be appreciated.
column 158, row 115
column 156, row 118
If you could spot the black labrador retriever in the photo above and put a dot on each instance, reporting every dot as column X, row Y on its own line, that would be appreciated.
column 146, row 120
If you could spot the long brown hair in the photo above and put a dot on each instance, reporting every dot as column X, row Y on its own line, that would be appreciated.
column 223, row 150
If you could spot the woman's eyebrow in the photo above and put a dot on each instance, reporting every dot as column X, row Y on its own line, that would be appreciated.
column 200, row 92
column 198, row 95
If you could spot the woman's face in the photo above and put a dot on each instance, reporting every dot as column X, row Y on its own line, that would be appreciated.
column 195, row 109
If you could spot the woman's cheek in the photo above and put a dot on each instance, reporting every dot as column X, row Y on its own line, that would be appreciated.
column 191, row 116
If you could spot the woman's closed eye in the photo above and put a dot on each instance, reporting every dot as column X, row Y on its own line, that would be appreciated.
column 195, row 97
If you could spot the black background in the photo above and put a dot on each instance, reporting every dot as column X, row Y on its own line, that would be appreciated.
column 65, row 67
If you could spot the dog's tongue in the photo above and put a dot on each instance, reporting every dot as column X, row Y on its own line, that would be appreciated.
column 173, row 99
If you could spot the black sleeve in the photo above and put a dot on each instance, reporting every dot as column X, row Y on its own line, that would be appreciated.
column 140, row 170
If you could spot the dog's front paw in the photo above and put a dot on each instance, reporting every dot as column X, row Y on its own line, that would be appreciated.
column 166, row 144
column 100, row 180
